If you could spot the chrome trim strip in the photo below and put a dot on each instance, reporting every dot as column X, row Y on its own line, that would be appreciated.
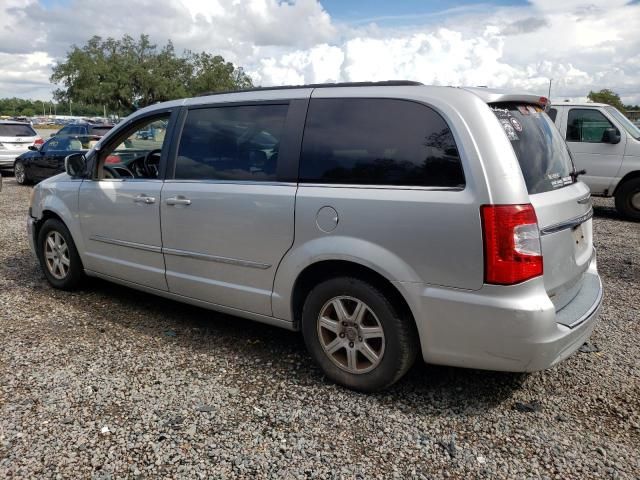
column 574, row 222
column 124, row 243
column 584, row 200
column 382, row 187
column 214, row 258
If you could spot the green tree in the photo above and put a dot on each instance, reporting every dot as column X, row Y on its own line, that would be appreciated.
column 127, row 74
column 607, row 96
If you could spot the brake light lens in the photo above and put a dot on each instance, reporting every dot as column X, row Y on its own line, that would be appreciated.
column 512, row 250
column 113, row 159
column 39, row 141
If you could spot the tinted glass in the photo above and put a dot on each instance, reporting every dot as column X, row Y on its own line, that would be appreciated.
column 231, row 143
column 16, row 130
column 586, row 126
column 543, row 156
column 64, row 144
column 378, row 142
column 101, row 131
column 553, row 113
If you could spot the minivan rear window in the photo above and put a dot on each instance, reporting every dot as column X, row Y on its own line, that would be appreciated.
column 378, row 141
column 542, row 153
column 16, row 130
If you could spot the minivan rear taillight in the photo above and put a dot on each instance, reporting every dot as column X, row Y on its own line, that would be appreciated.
column 512, row 252
column 39, row 141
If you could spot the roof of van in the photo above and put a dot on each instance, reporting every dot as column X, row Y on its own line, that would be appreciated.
column 487, row 95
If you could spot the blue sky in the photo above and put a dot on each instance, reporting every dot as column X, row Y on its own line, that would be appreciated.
column 356, row 10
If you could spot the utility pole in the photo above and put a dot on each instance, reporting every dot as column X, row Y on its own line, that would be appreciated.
column 70, row 114
column 549, row 94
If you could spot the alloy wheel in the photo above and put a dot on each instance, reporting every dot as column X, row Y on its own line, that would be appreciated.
column 56, row 255
column 19, row 173
column 351, row 335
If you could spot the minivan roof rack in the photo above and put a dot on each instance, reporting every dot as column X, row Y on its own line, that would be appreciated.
column 384, row 83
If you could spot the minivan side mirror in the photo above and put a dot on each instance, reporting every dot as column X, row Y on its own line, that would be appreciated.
column 611, row 135
column 75, row 165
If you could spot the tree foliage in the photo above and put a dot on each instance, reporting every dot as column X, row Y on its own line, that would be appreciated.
column 607, row 96
column 19, row 107
column 127, row 74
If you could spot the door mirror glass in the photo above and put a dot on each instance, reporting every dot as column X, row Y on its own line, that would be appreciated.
column 33, row 148
column 75, row 165
column 611, row 135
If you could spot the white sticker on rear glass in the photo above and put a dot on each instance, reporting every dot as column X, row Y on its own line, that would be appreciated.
column 516, row 124
column 509, row 130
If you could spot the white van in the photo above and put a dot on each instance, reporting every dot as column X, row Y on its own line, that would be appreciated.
column 605, row 144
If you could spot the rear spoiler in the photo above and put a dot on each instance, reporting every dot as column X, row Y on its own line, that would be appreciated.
column 490, row 95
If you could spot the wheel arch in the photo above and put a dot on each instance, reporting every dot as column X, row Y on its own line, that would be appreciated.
column 58, row 210
column 629, row 176
column 319, row 271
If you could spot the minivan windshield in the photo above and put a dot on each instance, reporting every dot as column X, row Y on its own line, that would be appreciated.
column 626, row 123
column 542, row 153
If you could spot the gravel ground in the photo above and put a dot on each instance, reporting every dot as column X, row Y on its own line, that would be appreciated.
column 112, row 383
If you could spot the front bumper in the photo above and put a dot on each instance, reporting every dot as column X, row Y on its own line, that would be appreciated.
column 513, row 328
column 31, row 224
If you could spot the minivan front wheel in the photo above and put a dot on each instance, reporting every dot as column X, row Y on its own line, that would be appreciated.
column 58, row 255
column 356, row 335
column 628, row 199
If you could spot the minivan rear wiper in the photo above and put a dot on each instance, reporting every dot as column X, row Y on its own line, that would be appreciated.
column 576, row 173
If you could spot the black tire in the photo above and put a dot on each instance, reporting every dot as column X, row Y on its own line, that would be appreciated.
column 20, row 173
column 400, row 335
column 74, row 273
column 627, row 198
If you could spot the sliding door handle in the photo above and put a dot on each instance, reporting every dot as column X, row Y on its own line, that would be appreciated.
column 144, row 198
column 179, row 200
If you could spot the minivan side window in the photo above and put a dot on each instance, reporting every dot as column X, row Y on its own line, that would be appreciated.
column 586, row 125
column 231, row 143
column 369, row 141
column 553, row 113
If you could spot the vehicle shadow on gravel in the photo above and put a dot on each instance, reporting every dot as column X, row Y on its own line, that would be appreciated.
column 608, row 212
column 425, row 387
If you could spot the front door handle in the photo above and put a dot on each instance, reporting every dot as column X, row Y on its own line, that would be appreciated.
column 144, row 198
column 179, row 200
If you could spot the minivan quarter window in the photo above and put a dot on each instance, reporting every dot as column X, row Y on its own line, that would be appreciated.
column 374, row 141
column 231, row 143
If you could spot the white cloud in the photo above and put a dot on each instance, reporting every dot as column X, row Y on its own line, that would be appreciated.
column 582, row 46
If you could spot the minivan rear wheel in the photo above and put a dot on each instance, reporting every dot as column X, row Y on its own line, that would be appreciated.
column 628, row 199
column 58, row 255
column 356, row 334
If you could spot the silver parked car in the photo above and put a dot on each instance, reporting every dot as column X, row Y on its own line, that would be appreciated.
column 382, row 220
column 15, row 139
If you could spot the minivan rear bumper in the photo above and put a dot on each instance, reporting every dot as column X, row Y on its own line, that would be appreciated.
column 514, row 328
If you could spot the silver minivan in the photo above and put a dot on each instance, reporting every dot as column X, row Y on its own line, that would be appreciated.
column 382, row 220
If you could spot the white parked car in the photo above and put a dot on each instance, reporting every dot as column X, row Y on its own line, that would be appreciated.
column 605, row 144
column 15, row 139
